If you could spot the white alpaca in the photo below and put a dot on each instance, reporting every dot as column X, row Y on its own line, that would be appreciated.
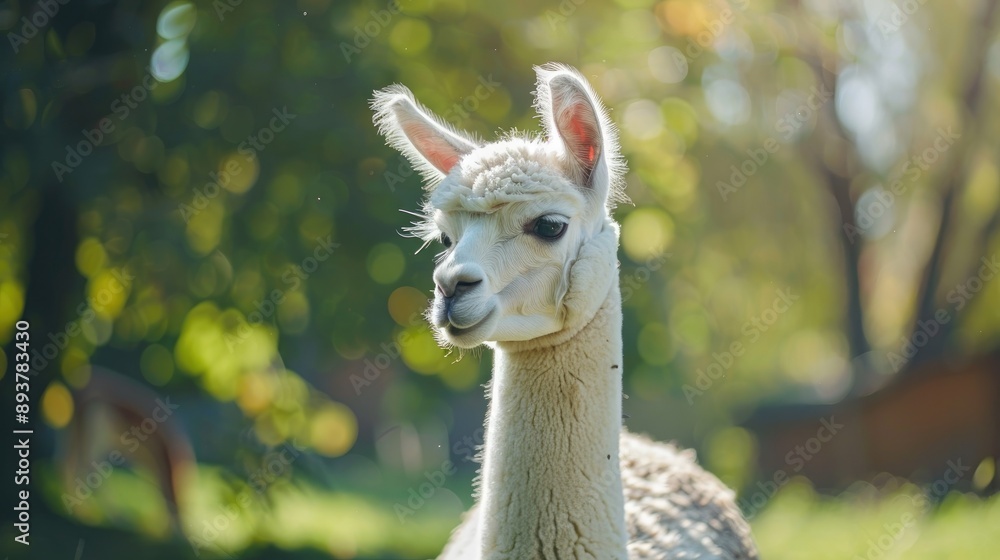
column 530, row 268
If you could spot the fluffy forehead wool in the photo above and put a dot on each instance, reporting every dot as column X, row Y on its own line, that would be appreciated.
column 516, row 170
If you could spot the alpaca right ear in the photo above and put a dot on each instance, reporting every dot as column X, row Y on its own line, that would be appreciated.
column 432, row 146
column 573, row 117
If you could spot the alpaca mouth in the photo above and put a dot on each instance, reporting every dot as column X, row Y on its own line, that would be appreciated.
column 456, row 331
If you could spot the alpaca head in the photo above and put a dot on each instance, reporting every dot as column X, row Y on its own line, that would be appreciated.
column 524, row 222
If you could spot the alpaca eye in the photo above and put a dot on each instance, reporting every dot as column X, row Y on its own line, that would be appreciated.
column 549, row 228
column 445, row 240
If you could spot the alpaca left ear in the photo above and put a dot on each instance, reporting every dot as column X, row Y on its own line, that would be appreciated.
column 432, row 146
column 572, row 115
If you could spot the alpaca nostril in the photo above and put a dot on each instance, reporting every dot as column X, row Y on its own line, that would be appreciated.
column 442, row 292
column 449, row 291
column 452, row 279
column 465, row 286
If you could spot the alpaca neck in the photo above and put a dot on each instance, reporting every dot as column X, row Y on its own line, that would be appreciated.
column 551, row 485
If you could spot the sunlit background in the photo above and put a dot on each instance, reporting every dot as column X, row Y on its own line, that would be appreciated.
column 202, row 227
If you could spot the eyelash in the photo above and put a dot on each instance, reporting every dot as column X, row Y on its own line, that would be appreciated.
column 547, row 221
column 531, row 228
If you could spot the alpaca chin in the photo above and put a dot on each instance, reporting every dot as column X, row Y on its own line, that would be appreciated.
column 473, row 335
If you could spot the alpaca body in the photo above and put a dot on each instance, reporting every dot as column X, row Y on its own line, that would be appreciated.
column 530, row 268
column 673, row 509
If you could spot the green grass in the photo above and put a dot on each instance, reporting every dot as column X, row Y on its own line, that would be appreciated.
column 902, row 524
column 360, row 521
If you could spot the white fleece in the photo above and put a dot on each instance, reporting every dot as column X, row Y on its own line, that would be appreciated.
column 551, row 486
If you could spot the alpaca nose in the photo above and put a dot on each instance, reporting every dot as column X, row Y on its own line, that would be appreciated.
column 454, row 285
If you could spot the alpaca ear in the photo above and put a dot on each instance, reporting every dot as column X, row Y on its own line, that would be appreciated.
column 432, row 146
column 573, row 116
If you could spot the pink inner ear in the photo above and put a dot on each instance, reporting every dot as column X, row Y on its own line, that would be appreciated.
column 438, row 152
column 582, row 133
column 447, row 161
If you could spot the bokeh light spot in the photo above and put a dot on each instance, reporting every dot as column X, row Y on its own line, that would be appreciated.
column 333, row 430
column 176, row 20
column 90, row 257
column 420, row 351
column 108, row 291
column 728, row 100
column 157, row 364
column 730, row 453
column 643, row 119
column 667, row 64
column 170, row 60
column 11, row 302
column 406, row 306
column 460, row 375
column 646, row 233
column 410, row 37
column 75, row 363
column 240, row 171
column 57, row 405
column 984, row 473
column 256, row 393
column 210, row 109
column 386, row 263
column 293, row 313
